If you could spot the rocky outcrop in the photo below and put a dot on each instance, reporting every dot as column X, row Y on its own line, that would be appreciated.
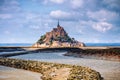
column 58, row 37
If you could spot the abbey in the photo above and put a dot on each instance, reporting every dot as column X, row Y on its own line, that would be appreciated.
column 58, row 37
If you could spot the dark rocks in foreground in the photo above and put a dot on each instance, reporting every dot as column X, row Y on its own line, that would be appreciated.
column 48, row 70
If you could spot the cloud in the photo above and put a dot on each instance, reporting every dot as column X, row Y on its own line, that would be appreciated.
column 7, row 32
column 14, row 2
column 30, row 16
column 68, row 16
column 5, row 16
column 58, row 14
column 35, row 27
column 112, row 3
column 102, row 26
column 57, row 1
column 54, row 1
column 10, row 6
column 76, row 3
column 102, row 15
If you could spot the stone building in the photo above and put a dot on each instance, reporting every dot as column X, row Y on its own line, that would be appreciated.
column 58, row 37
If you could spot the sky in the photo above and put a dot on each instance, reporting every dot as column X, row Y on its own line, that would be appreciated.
column 88, row 21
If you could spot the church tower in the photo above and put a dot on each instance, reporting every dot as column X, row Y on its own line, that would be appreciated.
column 58, row 25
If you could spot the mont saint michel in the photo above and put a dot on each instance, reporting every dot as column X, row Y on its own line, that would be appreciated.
column 58, row 37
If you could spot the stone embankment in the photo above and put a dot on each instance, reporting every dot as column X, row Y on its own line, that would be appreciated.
column 53, row 71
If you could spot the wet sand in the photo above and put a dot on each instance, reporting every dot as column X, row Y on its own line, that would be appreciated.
column 110, row 70
column 7, row 73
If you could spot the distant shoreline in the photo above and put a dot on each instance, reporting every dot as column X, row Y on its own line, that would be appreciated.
column 86, row 47
column 87, row 44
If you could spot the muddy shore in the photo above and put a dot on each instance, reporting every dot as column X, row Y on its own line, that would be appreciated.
column 51, row 71
column 8, row 73
column 111, row 54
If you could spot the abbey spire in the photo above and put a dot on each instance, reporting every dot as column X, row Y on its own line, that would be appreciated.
column 58, row 25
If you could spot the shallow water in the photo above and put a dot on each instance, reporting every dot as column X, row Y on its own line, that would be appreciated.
column 43, row 55
column 101, row 66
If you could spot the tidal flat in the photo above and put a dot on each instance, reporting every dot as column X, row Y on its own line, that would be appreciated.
column 109, row 70
column 8, row 73
column 53, row 71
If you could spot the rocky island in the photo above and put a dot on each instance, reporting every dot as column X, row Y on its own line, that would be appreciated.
column 58, row 37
